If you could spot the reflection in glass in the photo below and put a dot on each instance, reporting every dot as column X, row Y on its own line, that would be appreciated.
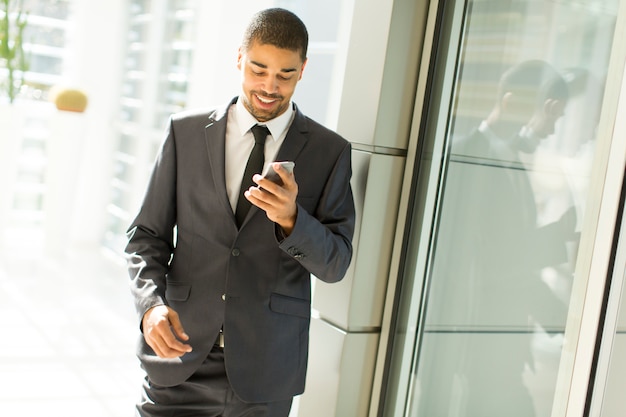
column 518, row 156
column 491, row 250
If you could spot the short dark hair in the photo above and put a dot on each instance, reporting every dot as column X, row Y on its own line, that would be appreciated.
column 535, row 79
column 278, row 27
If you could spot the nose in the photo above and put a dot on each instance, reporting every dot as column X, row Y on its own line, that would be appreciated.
column 270, row 85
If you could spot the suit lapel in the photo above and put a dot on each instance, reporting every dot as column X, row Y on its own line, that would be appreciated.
column 296, row 138
column 215, row 138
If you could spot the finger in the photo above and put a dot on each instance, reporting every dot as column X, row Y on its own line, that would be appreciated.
column 155, row 345
column 177, row 326
column 269, row 195
column 269, row 191
column 264, row 185
column 284, row 175
column 264, row 200
column 158, row 332
column 166, row 346
column 172, row 344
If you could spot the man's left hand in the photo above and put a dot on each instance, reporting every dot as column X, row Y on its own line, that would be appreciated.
column 278, row 201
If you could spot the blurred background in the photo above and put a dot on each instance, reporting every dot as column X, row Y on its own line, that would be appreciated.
column 78, row 137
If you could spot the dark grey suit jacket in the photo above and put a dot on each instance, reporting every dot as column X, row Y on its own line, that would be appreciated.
column 185, row 251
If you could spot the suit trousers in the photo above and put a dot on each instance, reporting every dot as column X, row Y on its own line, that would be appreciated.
column 207, row 393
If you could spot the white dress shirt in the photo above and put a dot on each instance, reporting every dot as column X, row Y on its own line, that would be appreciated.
column 240, row 141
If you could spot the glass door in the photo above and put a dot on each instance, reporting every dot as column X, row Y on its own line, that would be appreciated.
column 610, row 375
column 512, row 153
column 610, row 369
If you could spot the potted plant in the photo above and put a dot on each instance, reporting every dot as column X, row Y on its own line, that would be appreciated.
column 12, row 24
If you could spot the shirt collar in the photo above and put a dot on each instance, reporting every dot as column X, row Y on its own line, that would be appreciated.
column 486, row 130
column 277, row 126
column 496, row 143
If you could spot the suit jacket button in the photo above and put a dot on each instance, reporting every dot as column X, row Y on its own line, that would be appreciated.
column 235, row 252
column 295, row 252
column 224, row 297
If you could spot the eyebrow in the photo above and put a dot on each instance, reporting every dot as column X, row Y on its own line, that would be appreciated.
column 258, row 64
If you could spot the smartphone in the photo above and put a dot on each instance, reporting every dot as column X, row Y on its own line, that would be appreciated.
column 273, row 176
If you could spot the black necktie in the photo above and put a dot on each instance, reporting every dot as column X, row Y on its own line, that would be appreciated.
column 254, row 166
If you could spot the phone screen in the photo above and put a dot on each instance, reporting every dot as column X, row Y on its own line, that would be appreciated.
column 273, row 176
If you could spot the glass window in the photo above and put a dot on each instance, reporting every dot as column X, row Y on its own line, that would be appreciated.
column 58, row 9
column 138, row 31
column 48, row 36
column 609, row 392
column 46, row 64
column 138, row 7
column 517, row 137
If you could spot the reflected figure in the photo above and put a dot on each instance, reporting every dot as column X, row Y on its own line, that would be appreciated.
column 486, row 294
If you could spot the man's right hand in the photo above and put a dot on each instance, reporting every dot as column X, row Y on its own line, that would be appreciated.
column 163, row 332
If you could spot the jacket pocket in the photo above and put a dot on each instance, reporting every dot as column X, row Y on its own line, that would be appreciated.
column 290, row 305
column 177, row 292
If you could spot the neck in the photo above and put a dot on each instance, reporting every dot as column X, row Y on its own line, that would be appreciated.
column 500, row 127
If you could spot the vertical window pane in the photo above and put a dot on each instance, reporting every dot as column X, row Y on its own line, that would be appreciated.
column 613, row 400
column 519, row 146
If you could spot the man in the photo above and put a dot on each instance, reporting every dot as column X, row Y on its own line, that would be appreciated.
column 498, row 199
column 224, row 304
column 495, row 248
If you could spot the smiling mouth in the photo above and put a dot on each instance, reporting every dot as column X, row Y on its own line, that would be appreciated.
column 266, row 100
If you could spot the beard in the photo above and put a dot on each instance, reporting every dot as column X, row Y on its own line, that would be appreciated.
column 263, row 115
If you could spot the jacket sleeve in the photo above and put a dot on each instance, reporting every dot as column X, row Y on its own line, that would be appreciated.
column 322, row 241
column 151, row 234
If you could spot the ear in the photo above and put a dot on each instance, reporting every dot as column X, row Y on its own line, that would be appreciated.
column 302, row 69
column 505, row 101
column 240, row 54
column 551, row 107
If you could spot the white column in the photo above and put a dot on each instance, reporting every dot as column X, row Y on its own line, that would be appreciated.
column 94, row 64
column 220, row 26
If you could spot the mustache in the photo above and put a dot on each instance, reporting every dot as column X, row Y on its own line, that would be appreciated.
column 267, row 95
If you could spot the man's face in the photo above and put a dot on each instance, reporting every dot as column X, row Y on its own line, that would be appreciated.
column 269, row 76
column 541, row 125
column 544, row 121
